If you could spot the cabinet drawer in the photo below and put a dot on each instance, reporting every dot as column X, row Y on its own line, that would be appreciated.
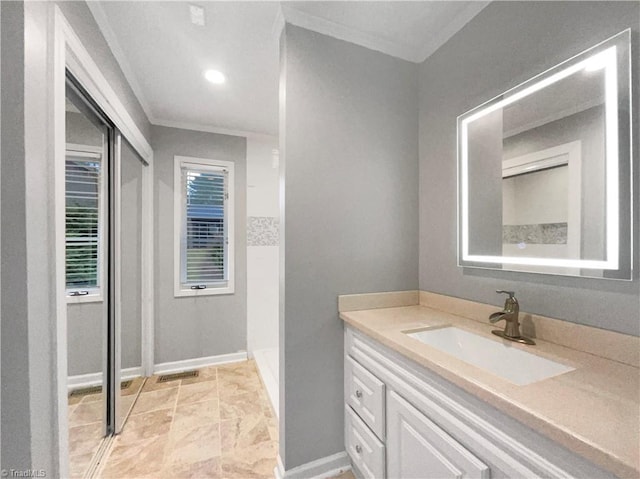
column 364, row 448
column 365, row 393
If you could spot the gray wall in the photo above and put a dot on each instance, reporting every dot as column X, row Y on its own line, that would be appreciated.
column 29, row 405
column 15, row 414
column 192, row 327
column 507, row 43
column 80, row 131
column 350, row 162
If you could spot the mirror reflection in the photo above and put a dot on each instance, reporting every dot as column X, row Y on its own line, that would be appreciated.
column 544, row 171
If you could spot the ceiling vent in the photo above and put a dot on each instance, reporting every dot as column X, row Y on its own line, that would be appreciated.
column 197, row 15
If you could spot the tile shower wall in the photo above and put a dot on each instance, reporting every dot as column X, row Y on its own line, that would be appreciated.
column 262, row 231
column 262, row 243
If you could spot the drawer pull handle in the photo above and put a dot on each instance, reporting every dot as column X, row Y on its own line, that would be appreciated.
column 358, row 393
column 358, row 448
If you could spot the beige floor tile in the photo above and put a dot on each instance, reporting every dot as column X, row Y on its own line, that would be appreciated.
column 86, row 413
column 345, row 475
column 85, row 439
column 272, row 424
column 78, row 465
column 207, row 469
column 197, row 392
column 204, row 411
column 233, row 385
column 161, row 399
column 268, row 408
column 193, row 415
column 243, row 432
column 193, row 443
column 257, row 462
column 144, row 459
column 238, row 378
column 216, row 425
column 245, row 369
column 87, row 398
column 146, row 425
column 240, row 405
column 136, row 384
column 125, row 404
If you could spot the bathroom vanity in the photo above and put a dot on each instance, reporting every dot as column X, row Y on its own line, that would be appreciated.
column 414, row 411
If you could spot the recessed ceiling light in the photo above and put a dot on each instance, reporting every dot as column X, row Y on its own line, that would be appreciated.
column 215, row 77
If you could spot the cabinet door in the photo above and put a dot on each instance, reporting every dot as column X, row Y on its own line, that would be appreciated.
column 417, row 448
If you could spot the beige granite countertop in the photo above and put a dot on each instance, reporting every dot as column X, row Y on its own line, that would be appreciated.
column 593, row 410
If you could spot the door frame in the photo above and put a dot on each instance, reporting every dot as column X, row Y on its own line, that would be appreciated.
column 69, row 53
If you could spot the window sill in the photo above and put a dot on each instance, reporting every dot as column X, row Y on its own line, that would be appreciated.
column 209, row 291
column 89, row 298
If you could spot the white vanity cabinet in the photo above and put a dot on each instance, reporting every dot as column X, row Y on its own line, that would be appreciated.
column 403, row 421
column 418, row 447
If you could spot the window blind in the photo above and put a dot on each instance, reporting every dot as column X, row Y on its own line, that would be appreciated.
column 204, row 238
column 82, row 179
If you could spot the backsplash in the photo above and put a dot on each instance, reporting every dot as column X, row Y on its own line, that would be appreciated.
column 262, row 231
column 547, row 233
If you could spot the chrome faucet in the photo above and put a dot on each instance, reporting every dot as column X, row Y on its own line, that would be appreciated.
column 510, row 315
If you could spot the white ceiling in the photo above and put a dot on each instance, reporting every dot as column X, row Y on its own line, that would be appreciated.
column 163, row 55
column 411, row 30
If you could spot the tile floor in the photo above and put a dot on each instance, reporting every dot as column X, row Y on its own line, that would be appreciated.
column 86, row 428
column 218, row 425
column 345, row 475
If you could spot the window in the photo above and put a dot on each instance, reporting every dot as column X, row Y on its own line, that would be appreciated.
column 84, row 216
column 203, row 226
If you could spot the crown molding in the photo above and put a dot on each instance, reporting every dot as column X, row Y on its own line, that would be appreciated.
column 101, row 19
column 183, row 125
column 450, row 29
column 348, row 34
column 377, row 43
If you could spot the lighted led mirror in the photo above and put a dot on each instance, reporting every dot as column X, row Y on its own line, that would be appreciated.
column 545, row 171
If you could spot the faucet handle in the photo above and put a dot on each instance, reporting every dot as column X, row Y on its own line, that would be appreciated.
column 512, row 294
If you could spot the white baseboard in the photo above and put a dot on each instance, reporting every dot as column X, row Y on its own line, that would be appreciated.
column 186, row 364
column 95, row 379
column 323, row 468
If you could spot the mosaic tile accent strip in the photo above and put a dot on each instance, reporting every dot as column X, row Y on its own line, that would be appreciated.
column 262, row 231
column 546, row 233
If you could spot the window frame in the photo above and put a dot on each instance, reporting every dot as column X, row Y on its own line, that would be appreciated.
column 179, row 217
column 96, row 294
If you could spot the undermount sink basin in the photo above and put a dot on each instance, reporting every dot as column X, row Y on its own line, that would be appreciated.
column 501, row 359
